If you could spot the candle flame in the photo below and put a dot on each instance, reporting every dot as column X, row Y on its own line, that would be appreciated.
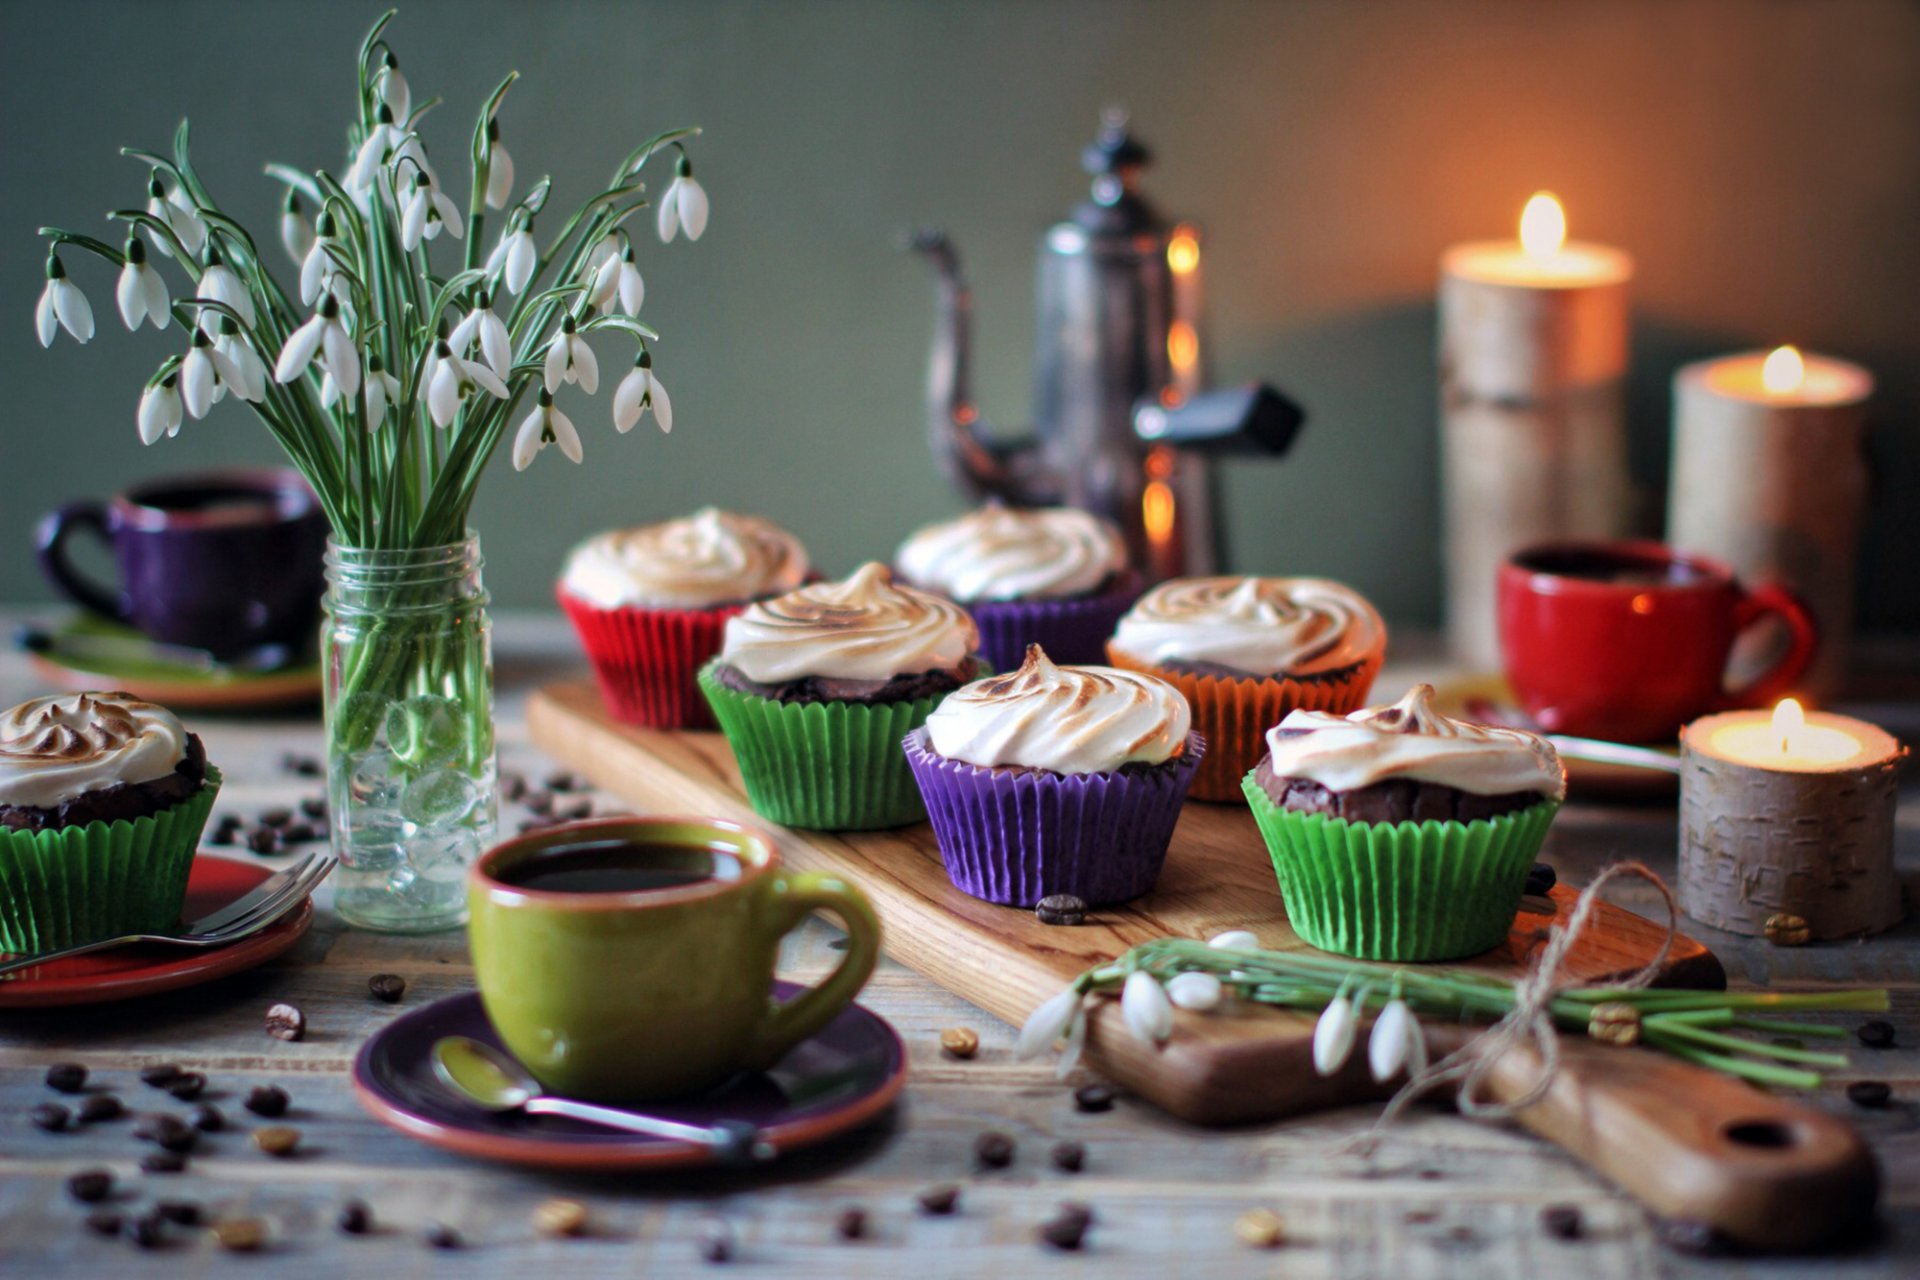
column 1183, row 251
column 1543, row 225
column 1784, row 371
column 1789, row 721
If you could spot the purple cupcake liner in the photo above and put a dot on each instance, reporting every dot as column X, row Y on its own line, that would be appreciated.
column 1016, row 836
column 1071, row 631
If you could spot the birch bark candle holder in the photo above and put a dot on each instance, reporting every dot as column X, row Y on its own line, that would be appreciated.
column 1533, row 360
column 1789, row 814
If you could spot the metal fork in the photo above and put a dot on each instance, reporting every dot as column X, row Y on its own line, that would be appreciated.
column 273, row 898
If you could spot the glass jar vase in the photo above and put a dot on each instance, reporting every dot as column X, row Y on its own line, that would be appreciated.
column 411, row 789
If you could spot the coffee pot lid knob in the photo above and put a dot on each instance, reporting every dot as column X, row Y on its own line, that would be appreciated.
column 1115, row 159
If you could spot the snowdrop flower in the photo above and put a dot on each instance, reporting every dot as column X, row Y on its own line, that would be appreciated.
column 383, row 389
column 141, row 293
column 1046, row 1025
column 481, row 325
column 428, row 211
column 1075, row 1044
column 1235, row 940
column 381, row 145
column 329, row 391
column 316, row 265
column 249, row 378
column 177, row 211
column 516, row 255
column 1145, row 1007
column 570, row 359
column 219, row 283
column 455, row 379
column 618, row 277
column 499, row 168
column 296, row 233
column 1333, row 1036
column 391, row 88
column 62, row 306
column 1197, row 991
column 544, row 426
column 684, row 205
column 1396, row 1043
column 206, row 375
column 160, row 409
column 326, row 336
column 638, row 392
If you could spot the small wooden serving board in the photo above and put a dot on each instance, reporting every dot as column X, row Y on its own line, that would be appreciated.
column 1255, row 1064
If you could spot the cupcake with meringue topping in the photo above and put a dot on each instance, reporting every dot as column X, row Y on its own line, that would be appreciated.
column 1398, row 833
column 816, row 688
column 1056, row 779
column 102, row 801
column 1054, row 576
column 650, row 604
column 1247, row 651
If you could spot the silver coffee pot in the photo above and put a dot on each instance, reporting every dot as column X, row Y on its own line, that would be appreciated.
column 1125, row 427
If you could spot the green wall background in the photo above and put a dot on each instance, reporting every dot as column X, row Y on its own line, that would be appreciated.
column 1761, row 158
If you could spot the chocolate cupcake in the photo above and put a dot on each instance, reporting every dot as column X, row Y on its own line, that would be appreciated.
column 816, row 688
column 1247, row 651
column 102, row 800
column 1056, row 577
column 1056, row 779
column 1398, row 833
column 650, row 603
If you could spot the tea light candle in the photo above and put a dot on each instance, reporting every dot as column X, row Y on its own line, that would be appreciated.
column 1533, row 358
column 1770, row 477
column 1788, row 812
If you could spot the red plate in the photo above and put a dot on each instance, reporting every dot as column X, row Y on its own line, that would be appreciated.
column 144, row 970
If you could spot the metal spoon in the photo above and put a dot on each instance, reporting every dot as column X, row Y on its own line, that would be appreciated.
column 487, row 1078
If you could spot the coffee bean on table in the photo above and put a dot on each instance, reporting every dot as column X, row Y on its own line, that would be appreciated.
column 1540, row 879
column 159, row 1127
column 267, row 1100
column 1563, row 1221
column 223, row 836
column 355, row 1218
column 286, row 1022
column 159, row 1074
column 1685, row 1235
column 275, row 817
column 100, row 1106
column 184, row 1212
column 1069, row 1157
column 960, row 1042
column 50, row 1116
column 387, row 987
column 994, row 1150
column 299, row 833
column 147, row 1231
column 559, row 1218
column 163, row 1162
column 540, row 802
column 564, row 782
column 67, row 1077
column 1093, row 1097
column 277, row 1140
column 105, row 1222
column 263, row 840
column 513, row 788
column 1870, row 1093
column 91, row 1186
column 1260, row 1229
column 940, row 1200
column 1061, row 908
column 442, row 1236
column 207, row 1118
column 716, row 1240
column 1876, row 1033
column 187, row 1086
column 851, row 1223
column 240, row 1235
column 314, row 807
column 1067, row 1228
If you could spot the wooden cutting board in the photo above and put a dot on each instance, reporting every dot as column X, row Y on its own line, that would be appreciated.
column 1686, row 1141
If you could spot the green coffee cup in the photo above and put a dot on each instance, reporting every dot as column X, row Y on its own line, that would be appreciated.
column 631, row 959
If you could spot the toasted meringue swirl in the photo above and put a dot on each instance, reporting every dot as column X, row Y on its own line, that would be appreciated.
column 1262, row 626
column 863, row 627
column 711, row 557
column 1411, row 740
column 55, row 748
column 1002, row 553
column 1066, row 719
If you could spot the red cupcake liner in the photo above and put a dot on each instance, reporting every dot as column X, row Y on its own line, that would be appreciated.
column 645, row 660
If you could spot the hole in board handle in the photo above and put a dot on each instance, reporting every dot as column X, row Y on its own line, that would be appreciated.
column 1770, row 1134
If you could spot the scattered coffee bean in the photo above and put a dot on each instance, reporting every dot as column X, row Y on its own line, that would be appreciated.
column 1540, row 879
column 940, row 1200
column 1069, row 1157
column 716, row 1240
column 1430, row 1175
column 564, row 782
column 560, row 1217
column 1784, row 929
column 263, row 840
column 960, row 1042
column 169, row 1133
column 355, row 1218
column 277, row 1140
column 305, row 766
column 240, row 1235
column 100, row 1106
column 540, row 802
column 513, row 788
column 442, row 1236
column 1260, row 1229
column 1870, row 1093
column 994, row 1150
column 526, row 825
column 207, row 1118
column 223, row 837
column 1093, row 1097
column 1067, row 1228
column 286, row 1022
column 1421, row 1216
column 300, row 833
column 1061, row 908
column 67, row 1077
column 146, row 1231
column 184, row 1212
column 1876, row 1033
column 276, row 817
column 387, row 987
column 163, row 1162
column 50, row 1116
column 91, row 1186
column 574, row 812
column 159, row 1075
column 187, row 1086
column 106, row 1222
column 1563, row 1221
column 851, row 1223
column 314, row 807
column 267, row 1100
column 1683, row 1235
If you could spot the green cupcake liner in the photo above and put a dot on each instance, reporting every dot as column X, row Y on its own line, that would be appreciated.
column 1402, row 891
column 828, row 766
column 71, row 885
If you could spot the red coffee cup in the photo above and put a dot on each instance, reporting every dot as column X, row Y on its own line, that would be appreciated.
column 1629, row 640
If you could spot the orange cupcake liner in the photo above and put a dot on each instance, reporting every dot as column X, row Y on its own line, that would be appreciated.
column 1233, row 713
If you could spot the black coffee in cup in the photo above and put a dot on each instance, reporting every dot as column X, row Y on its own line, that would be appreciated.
column 618, row 866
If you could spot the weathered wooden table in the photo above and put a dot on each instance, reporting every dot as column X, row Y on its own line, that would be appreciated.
column 1442, row 1196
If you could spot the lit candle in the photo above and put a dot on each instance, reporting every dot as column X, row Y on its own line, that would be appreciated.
column 1787, row 812
column 1770, row 477
column 1533, row 358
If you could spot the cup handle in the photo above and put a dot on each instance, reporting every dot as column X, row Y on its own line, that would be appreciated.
column 795, row 896
column 50, row 542
column 1772, row 601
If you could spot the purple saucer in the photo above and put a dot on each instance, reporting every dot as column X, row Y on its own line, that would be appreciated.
column 841, row 1078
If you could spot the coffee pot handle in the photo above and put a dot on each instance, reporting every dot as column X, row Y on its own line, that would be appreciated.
column 50, row 543
column 795, row 896
column 1770, row 600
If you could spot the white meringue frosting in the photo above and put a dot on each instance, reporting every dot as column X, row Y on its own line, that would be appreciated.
column 1007, row 553
column 1261, row 626
column 709, row 558
column 1411, row 740
column 1064, row 719
column 55, row 748
column 864, row 627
